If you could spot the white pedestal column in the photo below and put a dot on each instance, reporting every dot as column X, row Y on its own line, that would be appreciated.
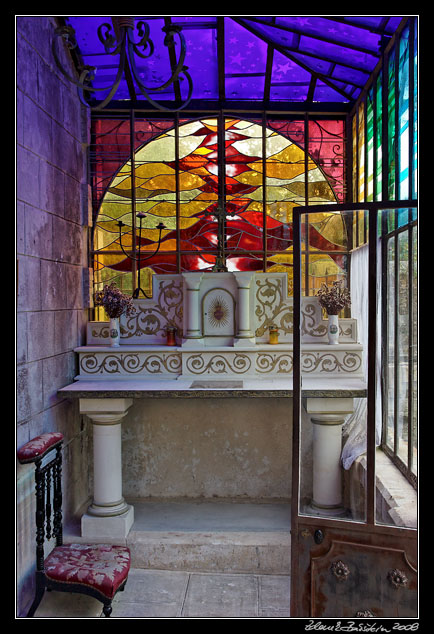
column 109, row 516
column 327, row 416
column 193, row 334
column 244, row 336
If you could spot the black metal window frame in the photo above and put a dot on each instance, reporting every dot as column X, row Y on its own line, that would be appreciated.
column 391, row 226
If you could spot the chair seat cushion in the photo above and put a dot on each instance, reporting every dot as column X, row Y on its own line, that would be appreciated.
column 39, row 446
column 103, row 567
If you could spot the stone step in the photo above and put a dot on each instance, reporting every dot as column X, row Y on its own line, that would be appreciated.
column 211, row 536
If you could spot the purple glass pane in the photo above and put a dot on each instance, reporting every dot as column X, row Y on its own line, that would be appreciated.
column 244, row 52
column 274, row 34
column 325, row 93
column 201, row 59
column 251, row 87
column 330, row 30
column 393, row 24
column 337, row 53
column 317, row 65
column 350, row 75
column 288, row 80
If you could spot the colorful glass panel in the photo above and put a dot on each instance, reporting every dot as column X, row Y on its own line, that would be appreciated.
column 370, row 146
column 174, row 178
column 391, row 126
column 378, row 139
column 403, row 114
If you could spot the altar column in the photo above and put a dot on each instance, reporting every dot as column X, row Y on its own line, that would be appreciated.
column 327, row 416
column 193, row 333
column 108, row 515
column 244, row 336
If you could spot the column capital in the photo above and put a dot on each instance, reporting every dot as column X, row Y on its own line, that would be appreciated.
column 243, row 278
column 192, row 280
column 105, row 411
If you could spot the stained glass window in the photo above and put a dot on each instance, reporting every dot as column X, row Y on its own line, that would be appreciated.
column 181, row 175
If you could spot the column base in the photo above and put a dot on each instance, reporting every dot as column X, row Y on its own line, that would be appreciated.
column 107, row 527
column 327, row 511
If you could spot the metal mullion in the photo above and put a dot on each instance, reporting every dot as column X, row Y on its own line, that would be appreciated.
column 371, row 373
column 395, row 345
column 365, row 167
column 306, row 199
column 264, row 190
column 177, row 201
column 411, row 108
column 410, row 348
column 133, row 198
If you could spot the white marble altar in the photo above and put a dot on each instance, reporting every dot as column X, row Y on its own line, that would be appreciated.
column 222, row 349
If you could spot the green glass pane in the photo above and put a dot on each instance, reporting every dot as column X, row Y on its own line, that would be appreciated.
column 415, row 118
column 403, row 113
column 378, row 139
column 391, row 126
column 370, row 145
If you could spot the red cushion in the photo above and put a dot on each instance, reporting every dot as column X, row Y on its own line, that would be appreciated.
column 100, row 566
column 39, row 446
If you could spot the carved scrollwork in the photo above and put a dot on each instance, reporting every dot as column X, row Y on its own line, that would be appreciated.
column 329, row 362
column 154, row 319
column 397, row 578
column 340, row 570
column 131, row 363
column 280, row 363
column 218, row 364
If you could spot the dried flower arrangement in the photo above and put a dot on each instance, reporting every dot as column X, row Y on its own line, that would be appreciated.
column 334, row 298
column 114, row 302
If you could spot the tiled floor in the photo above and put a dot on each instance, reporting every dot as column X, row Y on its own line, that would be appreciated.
column 168, row 595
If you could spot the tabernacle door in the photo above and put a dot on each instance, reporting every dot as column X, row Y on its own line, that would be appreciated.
column 354, row 537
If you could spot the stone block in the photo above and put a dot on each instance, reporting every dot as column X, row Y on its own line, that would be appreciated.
column 21, row 350
column 53, row 285
column 74, row 284
column 65, row 331
column 27, row 176
column 29, row 287
column 20, row 232
column 57, row 371
column 52, row 196
column 67, row 241
column 28, row 62
column 37, row 126
column 73, row 189
column 40, row 328
column 29, row 390
column 38, row 233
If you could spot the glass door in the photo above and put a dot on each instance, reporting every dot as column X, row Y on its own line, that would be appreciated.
column 354, row 511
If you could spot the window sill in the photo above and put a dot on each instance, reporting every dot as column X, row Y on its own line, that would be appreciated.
column 396, row 499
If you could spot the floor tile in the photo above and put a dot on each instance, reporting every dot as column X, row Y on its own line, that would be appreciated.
column 221, row 596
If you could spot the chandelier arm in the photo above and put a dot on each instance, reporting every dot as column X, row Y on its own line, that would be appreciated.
column 108, row 40
column 115, row 86
column 159, row 106
column 145, row 40
column 130, row 257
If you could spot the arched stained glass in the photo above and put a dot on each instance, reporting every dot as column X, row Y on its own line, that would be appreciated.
column 181, row 177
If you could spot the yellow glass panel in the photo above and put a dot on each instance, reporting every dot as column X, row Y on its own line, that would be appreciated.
column 150, row 170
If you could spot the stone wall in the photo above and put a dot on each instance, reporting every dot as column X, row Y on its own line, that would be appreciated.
column 51, row 229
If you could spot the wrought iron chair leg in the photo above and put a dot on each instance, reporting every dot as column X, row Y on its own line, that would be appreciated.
column 107, row 609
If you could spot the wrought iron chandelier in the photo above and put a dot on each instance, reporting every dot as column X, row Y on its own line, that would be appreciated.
column 123, row 44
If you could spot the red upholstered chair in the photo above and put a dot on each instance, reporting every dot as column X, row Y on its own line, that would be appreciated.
column 98, row 570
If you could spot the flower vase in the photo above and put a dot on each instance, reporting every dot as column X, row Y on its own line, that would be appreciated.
column 333, row 329
column 115, row 332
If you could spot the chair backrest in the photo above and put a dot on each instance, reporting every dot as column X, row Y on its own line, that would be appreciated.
column 48, row 485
